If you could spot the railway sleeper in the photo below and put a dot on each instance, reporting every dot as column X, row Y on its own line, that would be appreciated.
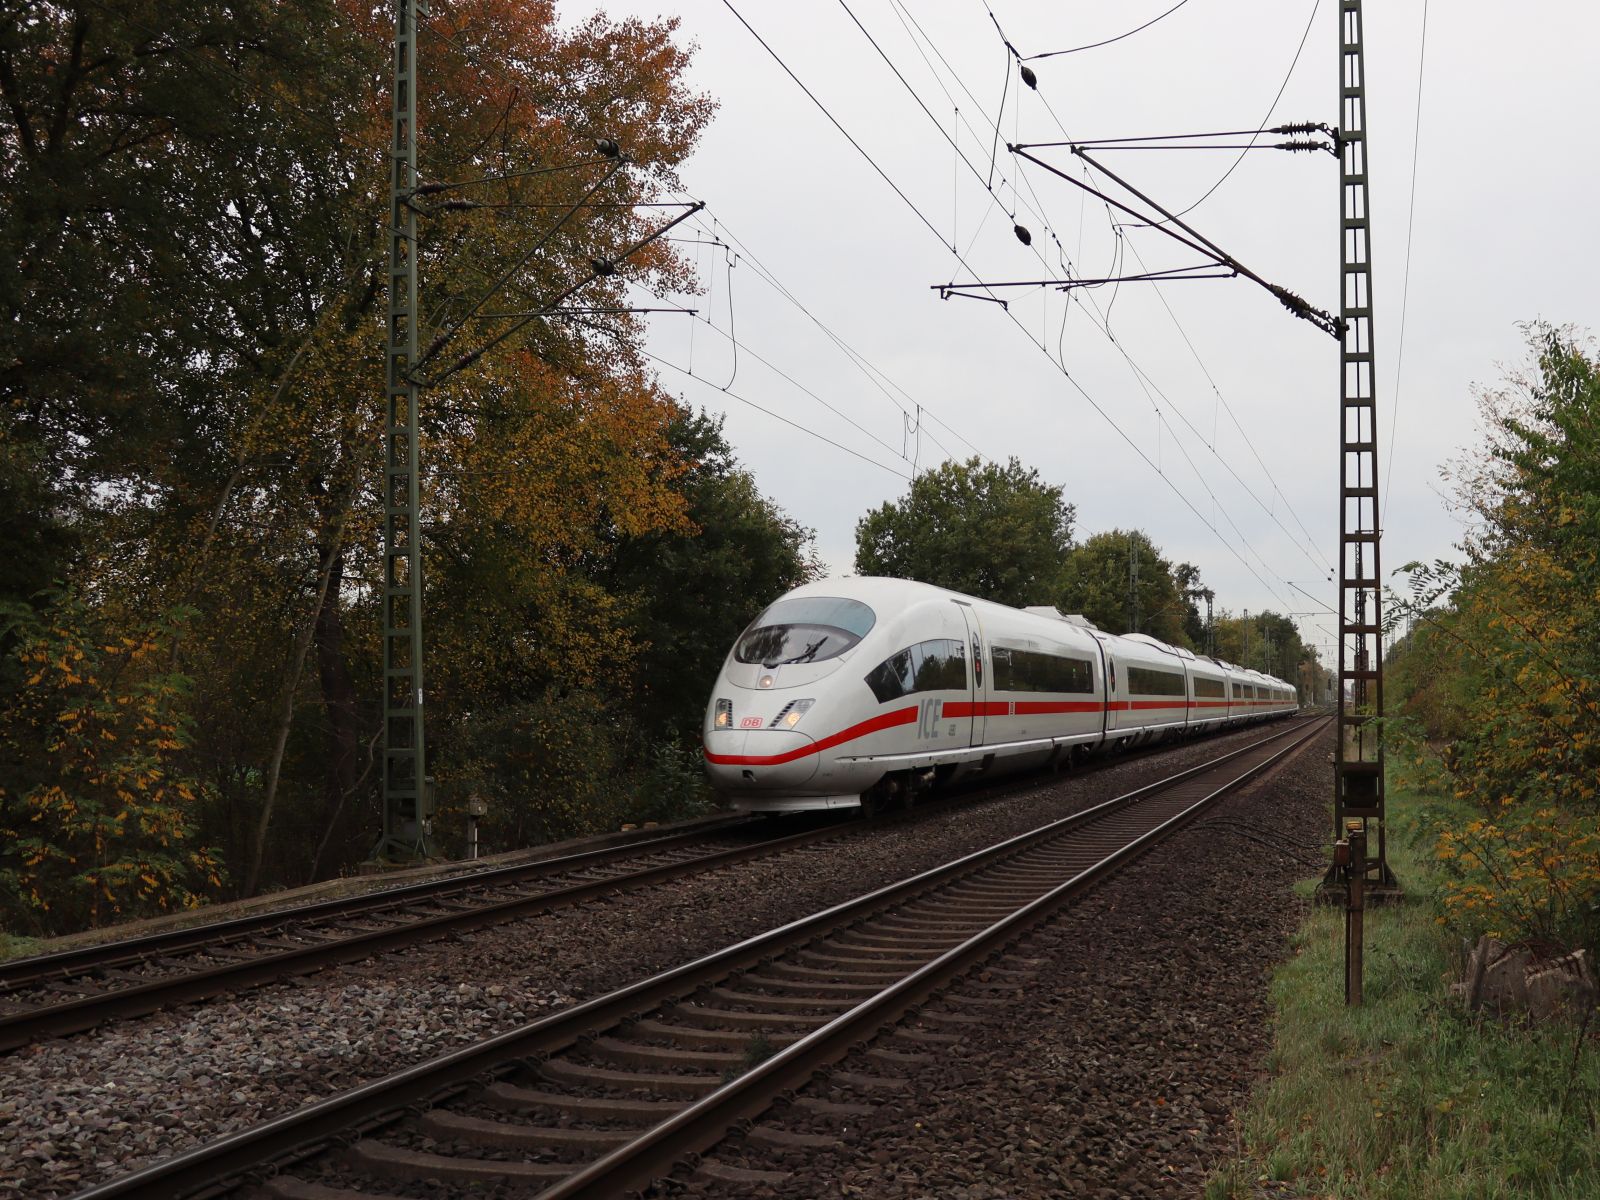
column 711, row 1039
column 964, row 1000
column 840, row 1111
column 881, row 939
column 700, row 1014
column 506, row 1135
column 643, row 1054
column 1000, row 891
column 898, row 962
column 292, row 1187
column 771, row 1137
column 839, row 975
column 780, row 1003
column 904, row 952
column 561, row 1070
column 399, row 1162
column 899, row 1058
column 927, row 1037
column 987, row 911
column 956, row 928
column 859, row 1082
column 820, row 988
column 711, row 1170
column 888, row 946
column 514, row 1098
column 934, row 1017
column 952, row 912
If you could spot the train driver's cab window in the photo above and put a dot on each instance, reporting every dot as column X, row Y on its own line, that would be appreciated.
column 939, row 665
column 804, row 629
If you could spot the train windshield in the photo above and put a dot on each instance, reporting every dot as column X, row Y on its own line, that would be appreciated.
column 804, row 629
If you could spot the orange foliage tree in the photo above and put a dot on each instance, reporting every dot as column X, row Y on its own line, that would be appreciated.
column 1500, row 673
column 228, row 465
column 98, row 810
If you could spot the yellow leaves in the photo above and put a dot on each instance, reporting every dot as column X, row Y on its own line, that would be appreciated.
column 101, row 805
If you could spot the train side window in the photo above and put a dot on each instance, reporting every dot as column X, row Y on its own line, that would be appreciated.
column 938, row 665
column 941, row 666
column 1018, row 670
column 1146, row 681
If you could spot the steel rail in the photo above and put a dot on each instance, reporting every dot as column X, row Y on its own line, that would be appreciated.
column 217, row 1167
column 41, row 969
column 19, row 1029
column 703, row 1123
column 139, row 999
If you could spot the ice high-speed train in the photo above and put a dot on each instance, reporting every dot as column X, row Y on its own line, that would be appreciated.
column 866, row 691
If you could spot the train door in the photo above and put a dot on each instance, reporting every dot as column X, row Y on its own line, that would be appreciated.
column 980, row 688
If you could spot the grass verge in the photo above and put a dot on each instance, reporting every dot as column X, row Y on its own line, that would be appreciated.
column 1411, row 1097
column 13, row 945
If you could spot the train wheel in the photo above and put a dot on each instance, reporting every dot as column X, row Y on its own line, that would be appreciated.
column 892, row 793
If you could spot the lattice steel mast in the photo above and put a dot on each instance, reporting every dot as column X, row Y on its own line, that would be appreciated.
column 406, row 803
column 1358, row 763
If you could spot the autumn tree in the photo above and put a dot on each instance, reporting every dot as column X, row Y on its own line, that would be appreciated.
column 214, row 177
column 1264, row 641
column 97, row 804
column 986, row 529
column 1501, row 667
column 1121, row 582
column 694, row 589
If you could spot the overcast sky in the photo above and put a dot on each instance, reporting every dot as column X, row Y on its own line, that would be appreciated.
column 1503, row 233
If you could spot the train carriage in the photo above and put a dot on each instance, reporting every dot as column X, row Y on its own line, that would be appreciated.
column 869, row 690
column 1208, row 694
column 1149, row 694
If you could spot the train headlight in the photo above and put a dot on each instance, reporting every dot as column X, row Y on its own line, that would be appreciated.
column 791, row 714
column 724, row 717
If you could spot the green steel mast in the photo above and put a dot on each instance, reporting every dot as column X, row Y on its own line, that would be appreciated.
column 1358, row 762
column 407, row 806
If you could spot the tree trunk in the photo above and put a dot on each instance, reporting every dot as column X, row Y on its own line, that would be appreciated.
column 291, row 684
column 338, row 699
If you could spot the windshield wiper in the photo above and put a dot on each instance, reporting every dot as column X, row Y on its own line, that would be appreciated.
column 805, row 655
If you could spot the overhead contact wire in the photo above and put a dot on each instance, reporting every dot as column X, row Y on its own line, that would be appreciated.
column 1405, row 290
column 1039, row 345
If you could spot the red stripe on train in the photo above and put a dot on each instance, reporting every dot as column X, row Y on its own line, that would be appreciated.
column 986, row 708
column 1027, row 708
column 951, row 710
column 888, row 720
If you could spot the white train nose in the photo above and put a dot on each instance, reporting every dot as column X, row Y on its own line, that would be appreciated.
column 742, row 760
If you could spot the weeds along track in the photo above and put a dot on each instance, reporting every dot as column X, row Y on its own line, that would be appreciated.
column 613, row 1093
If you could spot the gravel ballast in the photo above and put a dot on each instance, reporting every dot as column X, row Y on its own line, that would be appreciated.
column 1136, row 1025
column 82, row 1110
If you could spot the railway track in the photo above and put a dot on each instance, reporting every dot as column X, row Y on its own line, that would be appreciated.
column 73, row 991
column 57, row 994
column 611, row 1094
